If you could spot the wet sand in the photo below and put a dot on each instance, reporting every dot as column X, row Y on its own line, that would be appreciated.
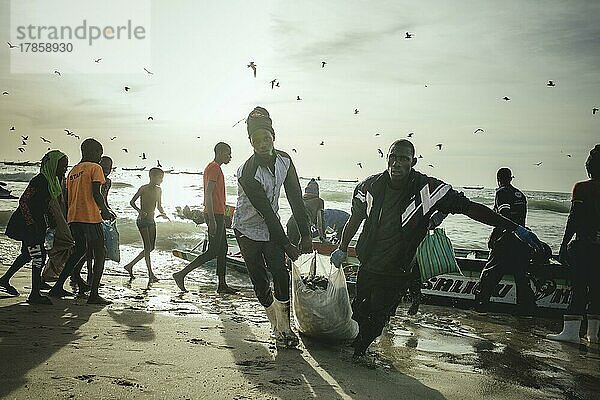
column 157, row 343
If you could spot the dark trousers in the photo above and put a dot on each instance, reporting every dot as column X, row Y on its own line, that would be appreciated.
column 217, row 248
column 377, row 297
column 34, row 252
column 84, row 235
column 22, row 259
column 260, row 257
column 585, row 274
column 509, row 256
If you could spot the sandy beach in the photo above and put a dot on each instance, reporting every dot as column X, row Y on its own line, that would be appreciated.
column 157, row 343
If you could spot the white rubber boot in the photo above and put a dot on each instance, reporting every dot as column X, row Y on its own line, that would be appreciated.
column 272, row 315
column 284, row 336
column 592, row 328
column 570, row 332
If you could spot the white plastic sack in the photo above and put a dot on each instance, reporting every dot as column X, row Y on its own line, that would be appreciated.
column 324, row 314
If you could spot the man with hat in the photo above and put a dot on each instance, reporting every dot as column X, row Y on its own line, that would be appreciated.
column 257, row 227
column 508, row 255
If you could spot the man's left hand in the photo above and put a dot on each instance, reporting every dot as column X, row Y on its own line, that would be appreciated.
column 306, row 245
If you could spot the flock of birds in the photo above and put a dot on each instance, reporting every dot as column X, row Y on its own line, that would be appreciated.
column 275, row 83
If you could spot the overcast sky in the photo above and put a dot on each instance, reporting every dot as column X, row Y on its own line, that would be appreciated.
column 442, row 84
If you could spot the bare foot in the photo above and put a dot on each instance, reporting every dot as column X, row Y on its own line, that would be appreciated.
column 129, row 269
column 178, row 277
column 152, row 279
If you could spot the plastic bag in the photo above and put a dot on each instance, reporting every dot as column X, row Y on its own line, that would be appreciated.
column 111, row 240
column 435, row 255
column 322, row 313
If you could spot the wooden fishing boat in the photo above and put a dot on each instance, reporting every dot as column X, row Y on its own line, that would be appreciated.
column 549, row 281
column 133, row 169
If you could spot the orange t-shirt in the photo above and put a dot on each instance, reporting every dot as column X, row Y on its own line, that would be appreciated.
column 213, row 173
column 82, row 206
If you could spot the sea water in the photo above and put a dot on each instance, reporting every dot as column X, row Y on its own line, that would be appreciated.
column 547, row 215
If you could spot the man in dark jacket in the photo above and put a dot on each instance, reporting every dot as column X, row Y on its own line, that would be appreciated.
column 396, row 206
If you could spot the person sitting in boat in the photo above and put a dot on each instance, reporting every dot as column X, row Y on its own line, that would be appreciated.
column 508, row 255
column 214, row 215
column 583, row 255
column 396, row 206
column 257, row 227
column 314, row 207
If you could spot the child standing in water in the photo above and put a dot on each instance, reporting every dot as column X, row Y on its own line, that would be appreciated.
column 150, row 199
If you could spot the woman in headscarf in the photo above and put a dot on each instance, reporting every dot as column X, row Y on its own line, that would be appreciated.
column 29, row 222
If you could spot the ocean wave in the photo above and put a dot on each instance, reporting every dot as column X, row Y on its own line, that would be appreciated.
column 169, row 234
column 17, row 176
column 559, row 206
column 340, row 197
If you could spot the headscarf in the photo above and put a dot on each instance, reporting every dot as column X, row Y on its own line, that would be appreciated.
column 312, row 188
column 48, row 169
column 259, row 118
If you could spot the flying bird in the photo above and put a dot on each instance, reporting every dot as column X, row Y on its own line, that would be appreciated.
column 25, row 137
column 377, row 134
column 127, row 88
column 97, row 60
column 125, row 150
column 273, row 83
column 76, row 136
column 23, row 143
column 12, row 46
column 409, row 35
column 420, row 155
column 45, row 140
column 113, row 138
column 478, row 130
column 5, row 93
column 22, row 150
column 294, row 150
column 594, row 110
column 439, row 146
column 12, row 128
column 430, row 165
column 551, row 84
column 143, row 156
column 68, row 132
column 57, row 72
column 150, row 118
column 253, row 66
column 139, row 176
column 506, row 98
column 323, row 63
column 359, row 164
column 380, row 153
column 322, row 143
column 277, row 84
column 356, row 111
column 243, row 119
column 158, row 164
column 410, row 134
column 298, row 98
column 568, row 155
column 538, row 164
column 149, row 73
